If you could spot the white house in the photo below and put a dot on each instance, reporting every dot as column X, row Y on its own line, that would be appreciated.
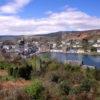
column 97, row 45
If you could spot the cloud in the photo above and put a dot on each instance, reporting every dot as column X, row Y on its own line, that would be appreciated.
column 14, row 6
column 67, row 20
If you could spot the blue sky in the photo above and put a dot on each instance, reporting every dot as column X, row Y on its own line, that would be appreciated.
column 44, row 16
column 37, row 8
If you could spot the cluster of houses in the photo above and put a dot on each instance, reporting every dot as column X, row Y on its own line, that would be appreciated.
column 27, row 49
column 22, row 48
column 77, row 46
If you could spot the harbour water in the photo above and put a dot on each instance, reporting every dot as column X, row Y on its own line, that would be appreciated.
column 85, row 59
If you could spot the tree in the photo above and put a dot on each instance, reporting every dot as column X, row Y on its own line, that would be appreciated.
column 85, row 44
column 93, row 49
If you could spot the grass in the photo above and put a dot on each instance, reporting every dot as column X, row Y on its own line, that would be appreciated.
column 7, row 78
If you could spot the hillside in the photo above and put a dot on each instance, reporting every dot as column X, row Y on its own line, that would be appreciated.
column 76, row 35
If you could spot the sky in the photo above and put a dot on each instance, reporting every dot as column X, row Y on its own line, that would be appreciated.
column 29, row 17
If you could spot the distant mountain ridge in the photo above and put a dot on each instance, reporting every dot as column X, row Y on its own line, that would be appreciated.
column 74, row 34
column 60, row 34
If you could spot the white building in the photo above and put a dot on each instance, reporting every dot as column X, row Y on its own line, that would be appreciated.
column 97, row 45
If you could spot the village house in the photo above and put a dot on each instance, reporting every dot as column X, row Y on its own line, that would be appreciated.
column 97, row 45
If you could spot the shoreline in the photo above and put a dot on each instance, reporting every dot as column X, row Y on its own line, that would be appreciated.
column 76, row 62
column 85, row 53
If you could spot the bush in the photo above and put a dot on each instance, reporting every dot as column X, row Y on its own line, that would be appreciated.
column 35, row 89
column 67, row 66
column 64, row 87
column 93, row 49
column 5, row 65
column 6, row 78
column 74, row 90
column 53, row 65
column 55, row 77
column 90, row 73
column 70, row 67
column 97, row 74
column 86, row 85
column 24, row 71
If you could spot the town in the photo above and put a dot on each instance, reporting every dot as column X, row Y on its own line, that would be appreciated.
column 30, row 46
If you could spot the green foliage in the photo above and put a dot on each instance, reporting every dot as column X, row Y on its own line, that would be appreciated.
column 23, row 71
column 86, row 85
column 54, row 65
column 45, row 57
column 5, row 65
column 93, row 49
column 64, row 87
column 6, row 78
column 35, row 89
column 90, row 73
column 74, row 90
column 85, row 44
column 67, row 66
column 34, row 62
column 70, row 67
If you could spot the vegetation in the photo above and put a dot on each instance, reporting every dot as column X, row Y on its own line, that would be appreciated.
column 85, row 44
column 50, row 79
column 93, row 49
column 64, row 87
column 35, row 90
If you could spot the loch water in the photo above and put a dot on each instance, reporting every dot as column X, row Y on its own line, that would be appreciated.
column 86, row 59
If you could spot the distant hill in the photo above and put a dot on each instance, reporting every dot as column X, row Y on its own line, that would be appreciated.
column 89, row 34
column 10, row 37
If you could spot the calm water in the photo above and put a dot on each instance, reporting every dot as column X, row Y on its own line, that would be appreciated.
column 87, row 59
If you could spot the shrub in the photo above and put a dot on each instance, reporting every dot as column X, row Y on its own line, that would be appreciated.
column 67, row 66
column 86, row 85
column 53, row 65
column 93, row 49
column 25, row 72
column 90, row 73
column 5, row 65
column 74, row 90
column 55, row 77
column 97, row 74
column 6, row 78
column 22, row 71
column 64, row 87
column 35, row 89
column 70, row 67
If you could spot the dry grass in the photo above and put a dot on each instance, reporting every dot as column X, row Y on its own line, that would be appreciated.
column 3, row 73
column 15, row 84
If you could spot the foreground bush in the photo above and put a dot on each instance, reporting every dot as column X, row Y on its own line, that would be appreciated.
column 64, row 87
column 86, row 85
column 23, row 71
column 6, row 78
column 74, row 90
column 55, row 77
column 70, row 67
column 54, row 65
column 5, row 65
column 34, row 90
